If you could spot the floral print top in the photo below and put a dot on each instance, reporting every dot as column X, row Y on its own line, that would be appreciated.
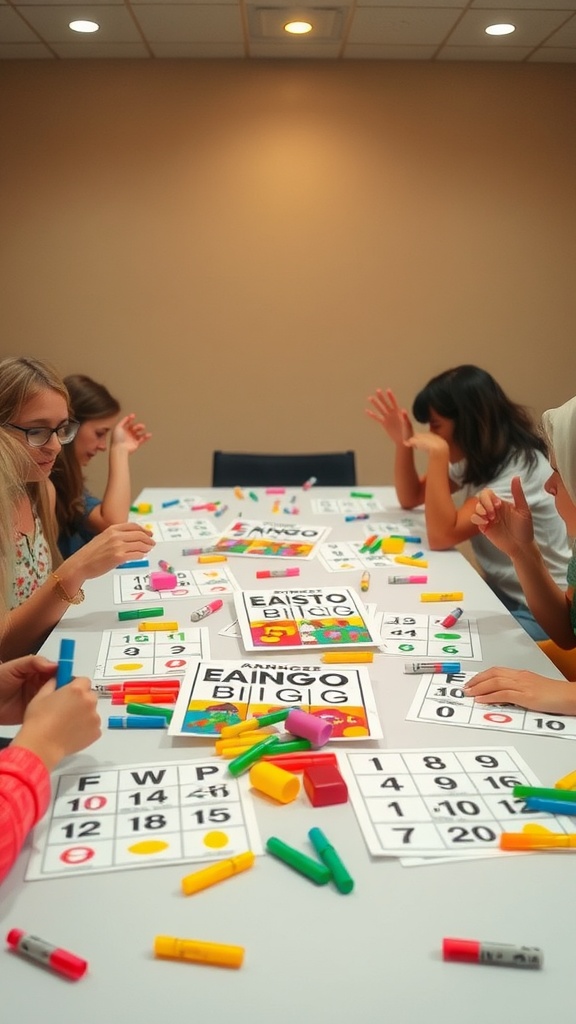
column 33, row 563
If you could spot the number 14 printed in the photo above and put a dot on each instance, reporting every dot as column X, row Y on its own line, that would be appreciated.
column 439, row 802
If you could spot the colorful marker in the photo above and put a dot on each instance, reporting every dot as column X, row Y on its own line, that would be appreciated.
column 143, row 509
column 206, row 877
column 59, row 960
column 150, row 711
column 368, row 543
column 357, row 518
column 136, row 722
column 220, row 511
column 342, row 879
column 359, row 494
column 150, row 627
column 414, row 667
column 201, row 613
column 138, row 613
column 546, row 794
column 239, row 493
column 454, row 595
column 267, row 574
column 249, row 724
column 365, row 581
column 538, row 803
column 309, row 483
column 404, row 560
column 245, row 760
column 142, row 563
column 65, row 670
column 253, row 496
column 215, row 953
column 537, row 840
column 407, row 579
column 304, row 865
column 206, row 559
column 497, row 954
column 166, row 566
column 452, row 618
column 347, row 657
column 406, row 539
column 275, row 490
column 198, row 551
column 170, row 504
column 298, row 762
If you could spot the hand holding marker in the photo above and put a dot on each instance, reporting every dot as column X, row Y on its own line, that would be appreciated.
column 65, row 670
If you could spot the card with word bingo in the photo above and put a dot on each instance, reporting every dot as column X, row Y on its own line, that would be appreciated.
column 424, row 636
column 180, row 529
column 316, row 617
column 440, row 802
column 345, row 506
column 441, row 699
column 255, row 539
column 218, row 693
column 143, row 815
column 126, row 652
column 130, row 587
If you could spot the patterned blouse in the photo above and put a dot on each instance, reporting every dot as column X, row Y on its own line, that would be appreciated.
column 33, row 563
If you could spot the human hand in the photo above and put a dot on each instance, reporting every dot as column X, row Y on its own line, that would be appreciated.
column 507, row 524
column 526, row 689
column 20, row 681
column 60, row 722
column 123, row 542
column 429, row 443
column 386, row 411
column 129, row 435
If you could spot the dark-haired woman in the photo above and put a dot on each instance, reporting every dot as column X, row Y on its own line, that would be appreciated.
column 478, row 438
column 80, row 515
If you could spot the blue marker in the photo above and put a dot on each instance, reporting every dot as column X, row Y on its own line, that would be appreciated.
column 536, row 803
column 409, row 540
column 65, row 670
column 144, row 564
column 136, row 722
column 169, row 504
column 354, row 519
column 415, row 667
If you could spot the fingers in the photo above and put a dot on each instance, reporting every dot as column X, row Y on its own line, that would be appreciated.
column 518, row 495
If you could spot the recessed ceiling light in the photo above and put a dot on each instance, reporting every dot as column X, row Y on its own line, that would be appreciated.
column 500, row 30
column 298, row 28
column 84, row 26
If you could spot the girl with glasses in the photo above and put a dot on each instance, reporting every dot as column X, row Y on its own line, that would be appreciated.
column 80, row 515
column 478, row 437
column 34, row 411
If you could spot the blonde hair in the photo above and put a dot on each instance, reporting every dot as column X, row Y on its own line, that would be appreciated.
column 22, row 379
column 13, row 470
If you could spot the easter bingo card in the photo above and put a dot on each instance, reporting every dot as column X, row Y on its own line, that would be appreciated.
column 219, row 693
column 143, row 815
column 254, row 538
column 125, row 652
column 130, row 587
column 321, row 617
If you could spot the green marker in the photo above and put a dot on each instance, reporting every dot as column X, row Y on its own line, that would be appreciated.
column 245, row 761
column 304, row 865
column 149, row 709
column 141, row 613
column 342, row 880
column 545, row 794
column 274, row 716
column 289, row 746
column 359, row 494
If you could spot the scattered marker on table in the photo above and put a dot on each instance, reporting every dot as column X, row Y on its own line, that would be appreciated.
column 452, row 618
column 65, row 670
column 138, row 613
column 447, row 667
column 407, row 579
column 141, row 563
column 356, row 518
column 267, row 574
column 170, row 504
column 58, row 960
column 202, row 613
column 496, row 954
column 136, row 722
column 365, row 581
column 309, row 483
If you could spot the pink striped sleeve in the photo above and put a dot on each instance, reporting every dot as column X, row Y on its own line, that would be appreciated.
column 24, row 797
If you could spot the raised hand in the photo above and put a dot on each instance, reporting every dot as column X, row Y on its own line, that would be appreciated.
column 386, row 411
column 507, row 524
column 129, row 435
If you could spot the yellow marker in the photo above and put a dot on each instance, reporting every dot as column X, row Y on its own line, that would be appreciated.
column 365, row 581
column 231, row 752
column 245, row 739
column 454, row 595
column 143, row 509
column 344, row 657
column 275, row 782
column 217, row 873
column 404, row 560
column 567, row 782
column 168, row 947
column 148, row 627
column 234, row 730
column 392, row 545
column 205, row 559
column 536, row 840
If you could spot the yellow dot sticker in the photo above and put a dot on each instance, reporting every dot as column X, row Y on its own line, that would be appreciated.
column 148, row 846
column 216, row 840
column 129, row 666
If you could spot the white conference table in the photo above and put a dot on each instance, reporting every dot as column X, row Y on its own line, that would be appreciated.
column 311, row 954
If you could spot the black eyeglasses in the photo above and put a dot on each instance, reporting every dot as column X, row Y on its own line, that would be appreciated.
column 39, row 436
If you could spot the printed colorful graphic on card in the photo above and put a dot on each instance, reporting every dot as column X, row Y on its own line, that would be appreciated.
column 424, row 636
column 272, row 540
column 344, row 556
column 180, row 529
column 216, row 579
column 125, row 652
column 440, row 802
column 318, row 617
column 143, row 815
column 441, row 699
column 345, row 506
column 218, row 693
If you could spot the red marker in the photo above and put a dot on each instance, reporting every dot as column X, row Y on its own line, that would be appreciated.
column 500, row 954
column 452, row 618
column 201, row 613
column 59, row 960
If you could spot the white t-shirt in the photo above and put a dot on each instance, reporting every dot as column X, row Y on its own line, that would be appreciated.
column 549, row 528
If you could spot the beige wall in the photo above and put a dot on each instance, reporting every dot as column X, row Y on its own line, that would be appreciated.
column 242, row 251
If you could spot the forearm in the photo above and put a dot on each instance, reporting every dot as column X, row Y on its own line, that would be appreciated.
column 27, row 626
column 440, row 511
column 24, row 796
column 545, row 599
column 409, row 487
column 115, row 504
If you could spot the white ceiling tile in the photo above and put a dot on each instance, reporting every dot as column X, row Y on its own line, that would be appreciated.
column 198, row 23
column 373, row 51
column 198, row 51
column 13, row 29
column 24, row 51
column 565, row 35
column 401, row 25
column 90, row 49
column 553, row 55
column 511, row 53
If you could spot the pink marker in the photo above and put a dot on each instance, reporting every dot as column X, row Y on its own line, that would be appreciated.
column 275, row 490
column 201, row 613
column 452, row 618
column 59, row 960
column 267, row 574
column 407, row 579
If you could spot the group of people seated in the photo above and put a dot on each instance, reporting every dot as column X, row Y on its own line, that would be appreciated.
column 516, row 487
